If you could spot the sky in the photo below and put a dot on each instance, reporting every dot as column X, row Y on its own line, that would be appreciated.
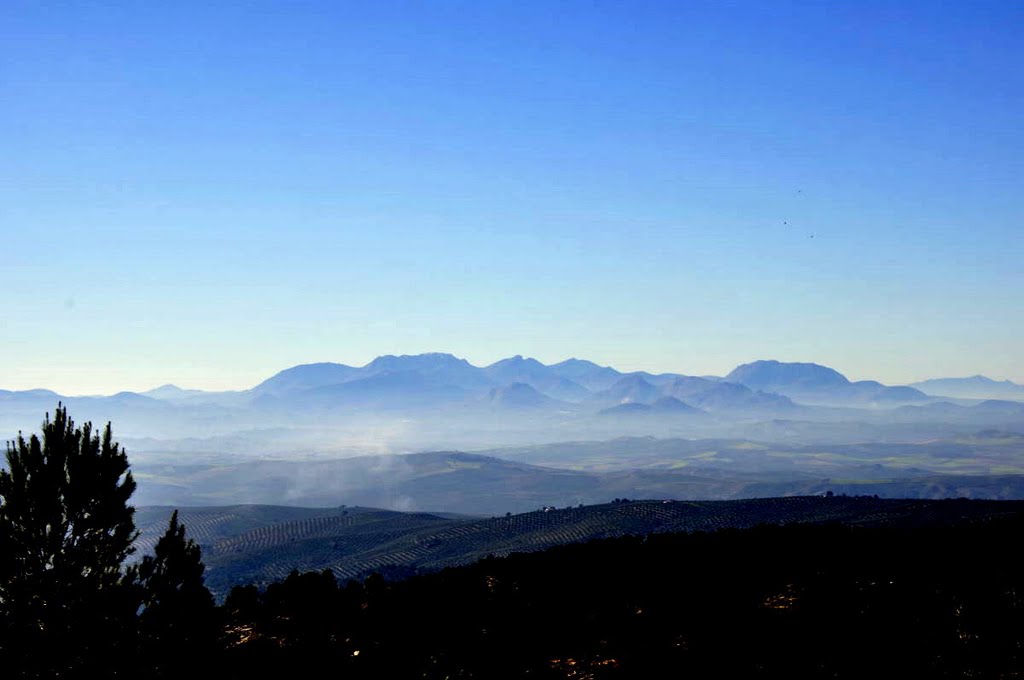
column 206, row 193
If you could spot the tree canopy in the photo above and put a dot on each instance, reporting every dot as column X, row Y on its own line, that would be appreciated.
column 179, row 613
column 66, row 528
column 68, row 605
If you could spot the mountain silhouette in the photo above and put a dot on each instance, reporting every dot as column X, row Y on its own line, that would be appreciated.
column 816, row 384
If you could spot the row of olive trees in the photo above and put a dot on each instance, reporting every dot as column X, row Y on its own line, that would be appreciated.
column 69, row 604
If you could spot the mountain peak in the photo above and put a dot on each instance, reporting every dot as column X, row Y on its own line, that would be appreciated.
column 429, row 361
column 517, row 395
column 305, row 376
column 438, row 357
column 168, row 391
column 517, row 361
column 768, row 374
column 630, row 387
column 973, row 387
column 816, row 384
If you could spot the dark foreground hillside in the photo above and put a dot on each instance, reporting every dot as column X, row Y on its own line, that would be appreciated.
column 259, row 544
column 934, row 600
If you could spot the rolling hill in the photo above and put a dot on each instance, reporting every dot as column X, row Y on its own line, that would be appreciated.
column 259, row 544
column 986, row 464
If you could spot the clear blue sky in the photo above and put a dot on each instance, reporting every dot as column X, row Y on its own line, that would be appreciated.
column 207, row 192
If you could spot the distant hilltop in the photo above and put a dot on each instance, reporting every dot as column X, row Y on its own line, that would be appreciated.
column 974, row 387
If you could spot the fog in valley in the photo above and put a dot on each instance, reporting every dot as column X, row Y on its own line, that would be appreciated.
column 394, row 434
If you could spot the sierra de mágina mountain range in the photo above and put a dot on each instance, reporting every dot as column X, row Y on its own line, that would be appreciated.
column 518, row 434
column 428, row 382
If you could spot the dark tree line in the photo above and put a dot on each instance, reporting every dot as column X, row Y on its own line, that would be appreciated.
column 797, row 601
column 800, row 601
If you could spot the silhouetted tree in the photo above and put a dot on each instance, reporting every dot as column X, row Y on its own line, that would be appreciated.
column 177, row 626
column 65, row 529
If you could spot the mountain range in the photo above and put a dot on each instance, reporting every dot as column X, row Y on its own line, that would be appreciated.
column 438, row 378
column 406, row 380
column 327, row 433
column 436, row 401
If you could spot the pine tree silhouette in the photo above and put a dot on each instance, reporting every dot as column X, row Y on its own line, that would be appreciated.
column 65, row 529
column 178, row 625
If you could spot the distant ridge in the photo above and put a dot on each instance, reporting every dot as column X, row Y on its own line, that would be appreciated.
column 169, row 391
column 717, row 395
column 770, row 374
column 630, row 388
column 663, row 406
column 304, row 377
column 816, row 384
column 518, row 395
column 973, row 387
column 517, row 370
column 587, row 373
column 459, row 396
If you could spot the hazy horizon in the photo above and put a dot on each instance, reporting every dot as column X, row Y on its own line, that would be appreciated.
column 478, row 364
column 206, row 194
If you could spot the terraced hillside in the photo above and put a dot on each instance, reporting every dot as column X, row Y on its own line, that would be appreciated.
column 207, row 526
column 258, row 544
